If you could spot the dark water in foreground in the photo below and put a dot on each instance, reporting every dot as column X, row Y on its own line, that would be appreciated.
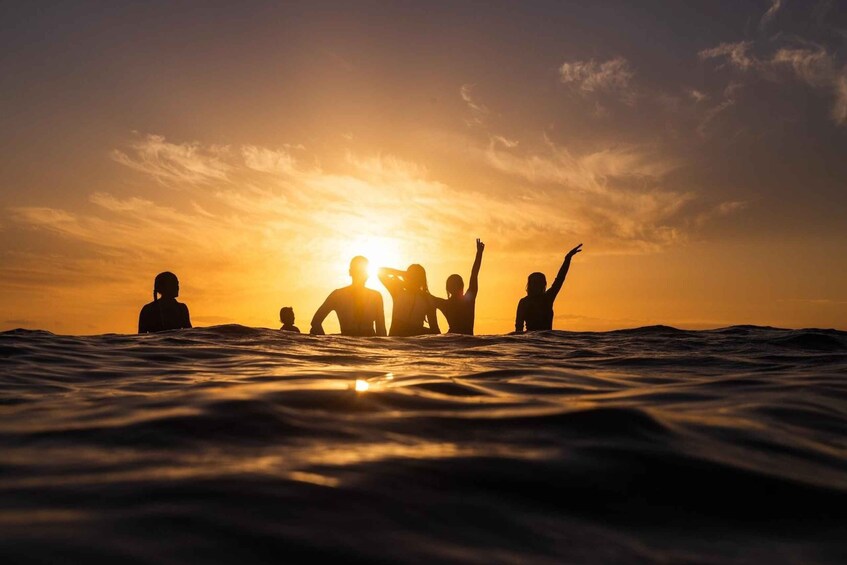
column 232, row 444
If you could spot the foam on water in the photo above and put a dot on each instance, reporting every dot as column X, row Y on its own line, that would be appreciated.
column 238, row 444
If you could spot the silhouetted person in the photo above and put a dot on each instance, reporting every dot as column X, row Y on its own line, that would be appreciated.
column 286, row 316
column 536, row 308
column 164, row 313
column 359, row 309
column 460, row 306
column 413, row 304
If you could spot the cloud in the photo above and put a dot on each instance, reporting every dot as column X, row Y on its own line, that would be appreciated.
column 814, row 66
column 818, row 69
column 478, row 110
column 279, row 161
column 176, row 163
column 619, row 195
column 839, row 109
column 770, row 14
column 735, row 54
column 590, row 76
column 49, row 219
column 697, row 95
column 722, row 209
column 590, row 172
column 505, row 141
column 728, row 100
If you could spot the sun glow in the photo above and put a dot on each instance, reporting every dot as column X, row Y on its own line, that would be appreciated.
column 380, row 252
column 361, row 385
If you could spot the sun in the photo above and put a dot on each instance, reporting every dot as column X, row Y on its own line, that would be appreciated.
column 380, row 251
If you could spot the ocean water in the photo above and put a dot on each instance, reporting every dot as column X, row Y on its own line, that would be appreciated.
column 233, row 444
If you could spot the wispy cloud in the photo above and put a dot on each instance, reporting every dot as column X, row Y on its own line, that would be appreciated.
column 728, row 100
column 735, row 54
column 277, row 161
column 813, row 65
column 477, row 109
column 839, row 109
column 619, row 194
column 819, row 69
column 296, row 214
column 770, row 14
column 612, row 76
column 176, row 162
column 697, row 95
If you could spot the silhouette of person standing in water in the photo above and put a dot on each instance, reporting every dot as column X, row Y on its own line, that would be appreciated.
column 164, row 313
column 359, row 309
column 286, row 316
column 460, row 306
column 413, row 304
column 535, row 310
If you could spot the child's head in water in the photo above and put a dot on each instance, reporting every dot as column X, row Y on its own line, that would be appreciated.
column 286, row 316
column 536, row 284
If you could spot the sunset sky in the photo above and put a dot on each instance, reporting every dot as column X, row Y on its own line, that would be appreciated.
column 697, row 149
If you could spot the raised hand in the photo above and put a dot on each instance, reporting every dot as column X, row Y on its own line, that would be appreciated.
column 480, row 246
column 574, row 251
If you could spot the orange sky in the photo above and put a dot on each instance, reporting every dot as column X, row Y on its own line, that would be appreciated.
column 253, row 150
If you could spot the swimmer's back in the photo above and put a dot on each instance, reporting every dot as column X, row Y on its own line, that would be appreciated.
column 162, row 315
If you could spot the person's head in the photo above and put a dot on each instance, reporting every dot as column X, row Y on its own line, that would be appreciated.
column 286, row 315
column 359, row 269
column 166, row 284
column 416, row 278
column 536, row 284
column 455, row 286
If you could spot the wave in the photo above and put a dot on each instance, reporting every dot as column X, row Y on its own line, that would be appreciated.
column 233, row 443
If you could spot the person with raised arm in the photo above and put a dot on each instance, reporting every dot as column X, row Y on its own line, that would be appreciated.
column 460, row 307
column 164, row 313
column 359, row 309
column 413, row 304
column 535, row 310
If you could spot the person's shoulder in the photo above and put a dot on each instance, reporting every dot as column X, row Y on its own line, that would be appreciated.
column 148, row 307
column 375, row 294
column 334, row 295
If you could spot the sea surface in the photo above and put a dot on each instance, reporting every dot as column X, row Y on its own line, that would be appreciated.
column 239, row 445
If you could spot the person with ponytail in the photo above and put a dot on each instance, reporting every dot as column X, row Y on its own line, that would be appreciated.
column 164, row 313
column 413, row 305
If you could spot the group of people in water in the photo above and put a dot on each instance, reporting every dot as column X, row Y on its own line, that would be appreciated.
column 360, row 309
